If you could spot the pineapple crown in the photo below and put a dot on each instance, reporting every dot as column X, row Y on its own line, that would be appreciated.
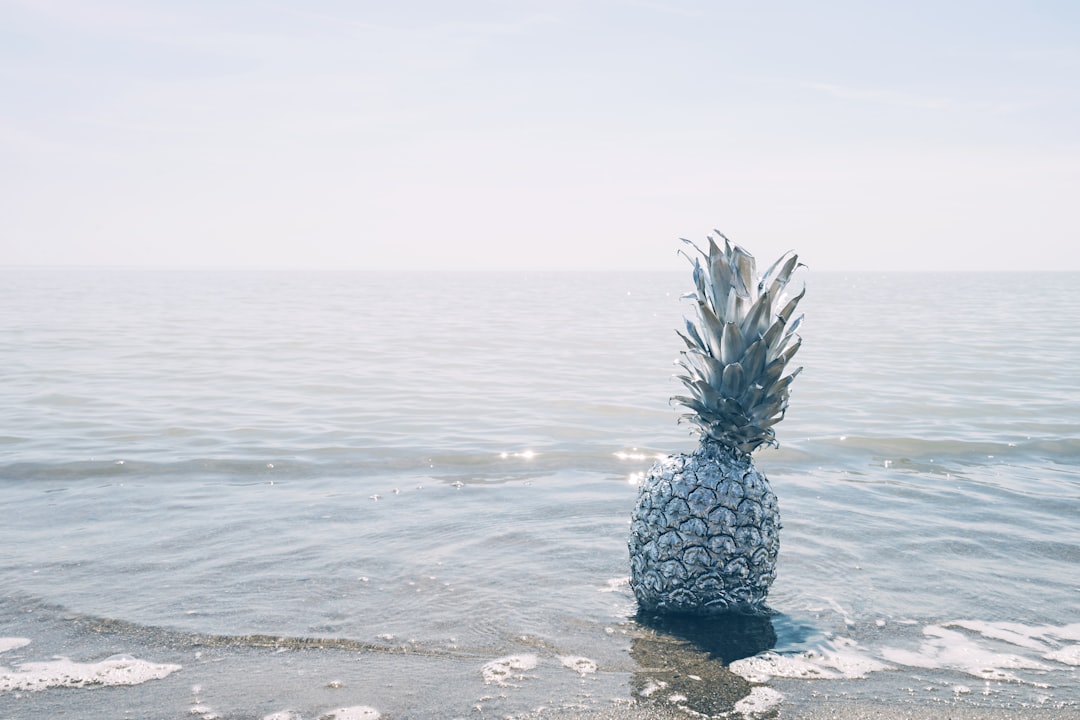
column 739, row 349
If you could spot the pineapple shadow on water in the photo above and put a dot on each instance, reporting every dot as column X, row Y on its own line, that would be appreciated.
column 705, row 532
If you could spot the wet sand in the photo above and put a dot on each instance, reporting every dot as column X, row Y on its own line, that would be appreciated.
column 663, row 675
column 836, row 711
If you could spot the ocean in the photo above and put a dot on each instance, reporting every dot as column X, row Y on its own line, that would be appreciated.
column 285, row 495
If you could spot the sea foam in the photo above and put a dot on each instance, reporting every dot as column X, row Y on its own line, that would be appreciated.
column 944, row 648
column 581, row 665
column 358, row 712
column 114, row 670
column 760, row 701
column 12, row 643
column 986, row 650
column 841, row 659
column 512, row 667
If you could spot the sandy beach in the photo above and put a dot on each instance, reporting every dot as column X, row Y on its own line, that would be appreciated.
column 832, row 710
column 72, row 666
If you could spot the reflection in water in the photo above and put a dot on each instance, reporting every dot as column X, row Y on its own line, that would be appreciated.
column 682, row 659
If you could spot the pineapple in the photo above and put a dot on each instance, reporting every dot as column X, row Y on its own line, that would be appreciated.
column 705, row 533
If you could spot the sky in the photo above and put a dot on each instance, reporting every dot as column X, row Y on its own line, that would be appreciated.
column 539, row 134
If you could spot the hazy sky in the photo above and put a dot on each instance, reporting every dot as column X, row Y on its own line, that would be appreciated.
column 539, row 133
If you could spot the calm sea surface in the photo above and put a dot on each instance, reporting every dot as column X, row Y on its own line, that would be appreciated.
column 279, row 494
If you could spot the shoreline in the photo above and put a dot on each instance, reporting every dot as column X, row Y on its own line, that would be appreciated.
column 831, row 710
column 659, row 676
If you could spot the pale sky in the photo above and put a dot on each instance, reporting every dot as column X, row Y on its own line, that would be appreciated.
column 539, row 134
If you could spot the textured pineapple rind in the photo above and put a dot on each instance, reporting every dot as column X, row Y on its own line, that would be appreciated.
column 704, row 535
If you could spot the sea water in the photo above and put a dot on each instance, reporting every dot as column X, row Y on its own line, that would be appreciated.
column 299, row 495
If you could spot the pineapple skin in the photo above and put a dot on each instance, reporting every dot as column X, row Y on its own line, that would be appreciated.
column 704, row 535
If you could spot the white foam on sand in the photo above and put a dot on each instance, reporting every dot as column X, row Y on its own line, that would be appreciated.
column 581, row 665
column 1067, row 632
column 512, row 667
column 358, row 712
column 760, row 701
column 651, row 687
column 986, row 650
column 1050, row 641
column 1066, row 655
column 12, row 643
column 841, row 659
column 761, row 668
column 953, row 649
column 1034, row 637
column 115, row 670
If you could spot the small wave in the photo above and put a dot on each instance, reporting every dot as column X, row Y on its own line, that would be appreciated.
column 922, row 450
column 999, row 652
column 523, row 462
column 946, row 649
column 469, row 467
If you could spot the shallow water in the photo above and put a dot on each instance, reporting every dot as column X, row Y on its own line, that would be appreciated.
column 411, row 493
